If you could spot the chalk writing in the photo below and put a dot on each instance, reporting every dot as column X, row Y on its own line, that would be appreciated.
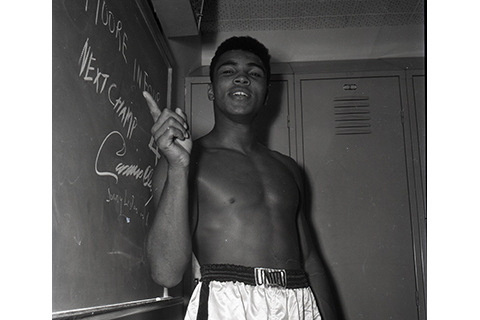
column 85, row 61
column 140, row 77
column 114, row 145
column 126, row 204
column 121, row 169
column 119, row 153
column 115, row 27
column 136, row 259
column 152, row 145
column 123, row 112
column 127, row 118
column 79, row 242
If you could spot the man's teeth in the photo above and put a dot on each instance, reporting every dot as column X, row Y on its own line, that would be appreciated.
column 239, row 93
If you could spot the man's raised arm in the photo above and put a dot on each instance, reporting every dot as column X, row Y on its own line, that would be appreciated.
column 169, row 239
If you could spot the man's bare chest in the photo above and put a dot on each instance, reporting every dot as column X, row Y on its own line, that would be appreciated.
column 229, row 178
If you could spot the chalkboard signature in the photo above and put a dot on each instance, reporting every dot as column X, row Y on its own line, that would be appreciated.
column 122, row 169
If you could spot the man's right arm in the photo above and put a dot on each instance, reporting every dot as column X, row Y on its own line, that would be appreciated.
column 169, row 239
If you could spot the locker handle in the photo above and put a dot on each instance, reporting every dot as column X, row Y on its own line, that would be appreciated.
column 351, row 86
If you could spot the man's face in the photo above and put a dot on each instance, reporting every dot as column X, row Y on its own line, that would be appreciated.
column 240, row 84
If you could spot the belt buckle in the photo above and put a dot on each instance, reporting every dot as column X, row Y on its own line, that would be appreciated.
column 271, row 277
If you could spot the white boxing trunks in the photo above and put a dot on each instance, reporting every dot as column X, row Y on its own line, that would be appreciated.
column 229, row 292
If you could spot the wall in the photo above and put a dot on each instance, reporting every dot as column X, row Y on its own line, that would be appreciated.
column 332, row 44
column 187, row 55
column 179, row 28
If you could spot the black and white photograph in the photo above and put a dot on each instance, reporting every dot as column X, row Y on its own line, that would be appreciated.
column 241, row 160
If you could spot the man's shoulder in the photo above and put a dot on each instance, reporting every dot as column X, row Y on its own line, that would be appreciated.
column 200, row 145
column 288, row 161
column 204, row 143
column 281, row 157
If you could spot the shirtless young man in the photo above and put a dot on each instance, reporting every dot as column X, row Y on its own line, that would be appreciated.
column 236, row 204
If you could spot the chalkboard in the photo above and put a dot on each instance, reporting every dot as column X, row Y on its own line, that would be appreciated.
column 105, row 53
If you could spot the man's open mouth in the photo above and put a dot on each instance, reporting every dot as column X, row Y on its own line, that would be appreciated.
column 240, row 94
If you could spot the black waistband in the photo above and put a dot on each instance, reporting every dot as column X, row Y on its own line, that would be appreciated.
column 289, row 278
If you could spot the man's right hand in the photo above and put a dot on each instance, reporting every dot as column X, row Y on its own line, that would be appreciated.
column 171, row 133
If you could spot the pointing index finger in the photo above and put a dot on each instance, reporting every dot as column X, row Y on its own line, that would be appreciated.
column 154, row 110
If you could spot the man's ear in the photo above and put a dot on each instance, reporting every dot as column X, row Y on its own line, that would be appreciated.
column 210, row 94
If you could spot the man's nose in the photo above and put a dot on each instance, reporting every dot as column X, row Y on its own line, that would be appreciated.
column 242, row 79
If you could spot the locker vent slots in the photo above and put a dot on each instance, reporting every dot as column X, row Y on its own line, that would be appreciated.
column 352, row 115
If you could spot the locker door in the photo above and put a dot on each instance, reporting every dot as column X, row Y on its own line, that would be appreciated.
column 354, row 159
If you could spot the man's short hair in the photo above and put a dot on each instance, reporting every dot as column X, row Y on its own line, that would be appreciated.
column 244, row 43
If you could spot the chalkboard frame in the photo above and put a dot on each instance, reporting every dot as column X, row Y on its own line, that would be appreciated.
column 152, row 23
column 118, row 310
column 145, row 305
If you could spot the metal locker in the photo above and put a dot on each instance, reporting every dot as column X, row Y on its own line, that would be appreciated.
column 355, row 164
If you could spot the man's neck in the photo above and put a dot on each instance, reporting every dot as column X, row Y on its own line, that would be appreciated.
column 235, row 136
